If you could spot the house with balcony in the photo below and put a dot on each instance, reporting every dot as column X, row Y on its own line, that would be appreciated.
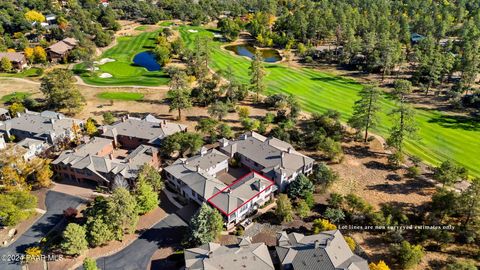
column 327, row 250
column 271, row 157
column 99, row 162
column 32, row 147
column 206, row 178
column 244, row 255
column 47, row 126
column 17, row 59
column 130, row 132
column 60, row 50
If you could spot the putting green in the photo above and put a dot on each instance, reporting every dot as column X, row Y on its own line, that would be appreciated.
column 123, row 71
column 442, row 136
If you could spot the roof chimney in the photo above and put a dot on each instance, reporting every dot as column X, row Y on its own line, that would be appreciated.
column 52, row 120
column 290, row 150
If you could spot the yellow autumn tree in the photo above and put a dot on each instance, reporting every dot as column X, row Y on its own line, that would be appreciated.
column 351, row 243
column 43, row 173
column 29, row 54
column 381, row 265
column 40, row 54
column 90, row 127
column 321, row 225
column 34, row 16
column 10, row 50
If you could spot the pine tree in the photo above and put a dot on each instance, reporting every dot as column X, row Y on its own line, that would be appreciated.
column 365, row 110
column 257, row 74
column 74, row 239
column 205, row 226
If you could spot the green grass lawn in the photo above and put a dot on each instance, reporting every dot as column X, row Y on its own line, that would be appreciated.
column 14, row 96
column 442, row 136
column 121, row 96
column 27, row 73
column 141, row 28
column 123, row 70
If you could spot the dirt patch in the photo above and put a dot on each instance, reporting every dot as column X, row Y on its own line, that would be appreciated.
column 364, row 171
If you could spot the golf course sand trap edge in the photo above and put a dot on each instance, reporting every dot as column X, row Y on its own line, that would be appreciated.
column 105, row 75
column 104, row 61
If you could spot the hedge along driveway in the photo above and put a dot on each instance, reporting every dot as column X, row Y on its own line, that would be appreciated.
column 442, row 136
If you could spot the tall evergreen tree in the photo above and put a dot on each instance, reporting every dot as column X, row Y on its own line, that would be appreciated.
column 365, row 110
column 257, row 75
column 404, row 126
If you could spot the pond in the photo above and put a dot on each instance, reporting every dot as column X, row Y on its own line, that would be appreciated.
column 269, row 55
column 147, row 60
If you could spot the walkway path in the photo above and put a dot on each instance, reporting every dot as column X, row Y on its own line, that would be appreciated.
column 55, row 203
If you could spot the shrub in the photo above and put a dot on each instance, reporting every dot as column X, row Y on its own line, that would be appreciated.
column 381, row 265
column 70, row 213
column 90, row 264
column 300, row 187
column 351, row 243
column 74, row 240
column 321, row 225
column 407, row 255
column 334, row 214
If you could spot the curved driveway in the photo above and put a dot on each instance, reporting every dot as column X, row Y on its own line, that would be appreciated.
column 55, row 202
column 136, row 256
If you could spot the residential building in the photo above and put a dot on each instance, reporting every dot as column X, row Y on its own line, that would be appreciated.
column 99, row 162
column 324, row 251
column 48, row 126
column 131, row 132
column 199, row 179
column 4, row 114
column 195, row 178
column 272, row 157
column 243, row 256
column 242, row 197
column 32, row 147
column 18, row 60
column 60, row 50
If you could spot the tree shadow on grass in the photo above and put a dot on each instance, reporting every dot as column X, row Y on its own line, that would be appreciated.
column 334, row 79
column 411, row 186
column 457, row 122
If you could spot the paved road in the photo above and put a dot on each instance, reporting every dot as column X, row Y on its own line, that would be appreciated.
column 55, row 202
column 168, row 232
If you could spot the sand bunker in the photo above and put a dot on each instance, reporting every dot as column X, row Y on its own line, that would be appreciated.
column 105, row 75
column 192, row 31
column 104, row 61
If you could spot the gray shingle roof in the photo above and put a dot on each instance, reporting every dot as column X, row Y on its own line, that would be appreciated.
column 244, row 256
column 86, row 157
column 324, row 251
column 270, row 153
column 191, row 171
column 240, row 192
column 149, row 128
column 40, row 124
column 3, row 111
